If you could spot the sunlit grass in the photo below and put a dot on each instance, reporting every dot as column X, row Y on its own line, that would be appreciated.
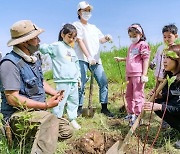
column 115, row 73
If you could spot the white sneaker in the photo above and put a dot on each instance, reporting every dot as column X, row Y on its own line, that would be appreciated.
column 133, row 119
column 75, row 124
column 128, row 117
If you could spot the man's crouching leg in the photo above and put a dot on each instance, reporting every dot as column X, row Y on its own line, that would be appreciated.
column 50, row 130
column 46, row 137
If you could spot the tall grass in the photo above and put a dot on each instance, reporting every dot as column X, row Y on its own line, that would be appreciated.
column 116, row 71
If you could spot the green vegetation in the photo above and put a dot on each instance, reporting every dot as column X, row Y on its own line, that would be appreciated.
column 23, row 128
column 116, row 71
column 48, row 75
column 116, row 77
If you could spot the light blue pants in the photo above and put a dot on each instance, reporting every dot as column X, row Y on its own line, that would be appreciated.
column 70, row 97
column 99, row 76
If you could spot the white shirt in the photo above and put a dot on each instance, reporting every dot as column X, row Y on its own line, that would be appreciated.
column 90, row 35
column 158, row 61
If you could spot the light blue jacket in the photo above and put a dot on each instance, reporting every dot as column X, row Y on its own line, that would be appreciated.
column 64, row 61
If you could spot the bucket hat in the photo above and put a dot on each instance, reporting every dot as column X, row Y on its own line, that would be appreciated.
column 23, row 31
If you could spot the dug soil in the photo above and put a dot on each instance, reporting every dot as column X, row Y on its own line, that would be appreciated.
column 93, row 142
column 97, row 142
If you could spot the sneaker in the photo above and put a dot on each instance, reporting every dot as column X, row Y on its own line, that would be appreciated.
column 107, row 113
column 165, row 125
column 75, row 124
column 79, row 111
column 133, row 119
column 128, row 117
column 177, row 145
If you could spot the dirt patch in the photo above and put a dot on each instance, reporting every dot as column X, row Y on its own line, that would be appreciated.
column 94, row 142
column 99, row 142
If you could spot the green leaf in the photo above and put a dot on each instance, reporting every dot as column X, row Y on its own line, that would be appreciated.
column 166, row 46
column 171, row 80
column 171, row 54
column 1, row 116
column 19, row 126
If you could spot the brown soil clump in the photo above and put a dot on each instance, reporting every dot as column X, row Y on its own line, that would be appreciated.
column 94, row 142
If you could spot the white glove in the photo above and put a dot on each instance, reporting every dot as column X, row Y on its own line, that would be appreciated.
column 144, row 79
column 91, row 60
column 108, row 37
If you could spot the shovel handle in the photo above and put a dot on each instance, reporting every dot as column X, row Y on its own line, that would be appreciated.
column 160, row 87
column 91, row 90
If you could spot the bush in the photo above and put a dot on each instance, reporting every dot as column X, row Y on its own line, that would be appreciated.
column 48, row 75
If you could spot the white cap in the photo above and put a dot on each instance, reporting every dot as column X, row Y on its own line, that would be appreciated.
column 83, row 5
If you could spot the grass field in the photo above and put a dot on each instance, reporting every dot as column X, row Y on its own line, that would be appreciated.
column 117, row 128
column 114, row 129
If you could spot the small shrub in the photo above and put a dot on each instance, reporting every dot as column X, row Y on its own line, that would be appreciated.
column 48, row 75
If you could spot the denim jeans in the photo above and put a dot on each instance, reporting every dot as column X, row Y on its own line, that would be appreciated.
column 99, row 76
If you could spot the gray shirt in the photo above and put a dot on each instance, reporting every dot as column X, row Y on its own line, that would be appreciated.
column 10, row 76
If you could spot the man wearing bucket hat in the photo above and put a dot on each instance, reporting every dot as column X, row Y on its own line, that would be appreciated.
column 23, row 88
column 87, row 49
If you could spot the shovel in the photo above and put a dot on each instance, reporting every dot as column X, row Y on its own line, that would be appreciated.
column 89, row 112
column 118, row 147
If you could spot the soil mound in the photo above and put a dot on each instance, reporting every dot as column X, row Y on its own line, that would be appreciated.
column 93, row 142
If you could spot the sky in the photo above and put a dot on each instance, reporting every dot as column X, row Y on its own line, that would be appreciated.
column 110, row 16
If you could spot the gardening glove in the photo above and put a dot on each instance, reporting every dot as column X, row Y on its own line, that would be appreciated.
column 91, row 60
column 144, row 79
column 108, row 37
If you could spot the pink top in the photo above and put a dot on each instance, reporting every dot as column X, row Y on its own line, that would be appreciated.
column 137, row 53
